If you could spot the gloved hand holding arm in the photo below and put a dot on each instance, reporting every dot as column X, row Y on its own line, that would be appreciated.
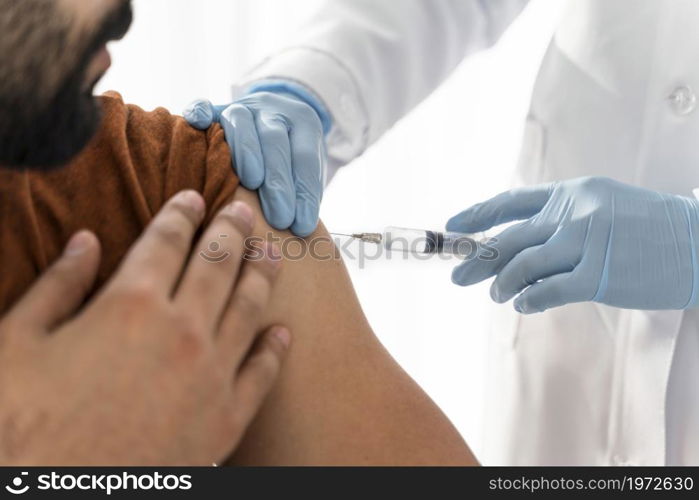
column 276, row 133
column 361, row 65
column 589, row 239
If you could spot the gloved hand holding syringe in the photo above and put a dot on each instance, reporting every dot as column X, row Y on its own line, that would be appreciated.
column 425, row 242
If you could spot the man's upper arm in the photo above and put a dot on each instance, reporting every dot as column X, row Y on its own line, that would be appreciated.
column 341, row 398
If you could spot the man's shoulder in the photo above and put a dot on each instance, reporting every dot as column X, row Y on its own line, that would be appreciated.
column 137, row 160
column 156, row 131
column 157, row 149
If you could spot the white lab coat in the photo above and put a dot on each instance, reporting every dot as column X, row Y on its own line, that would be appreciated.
column 585, row 383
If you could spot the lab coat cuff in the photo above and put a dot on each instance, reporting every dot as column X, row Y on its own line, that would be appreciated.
column 692, row 213
column 336, row 88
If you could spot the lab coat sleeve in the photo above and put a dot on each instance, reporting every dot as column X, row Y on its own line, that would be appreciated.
column 371, row 61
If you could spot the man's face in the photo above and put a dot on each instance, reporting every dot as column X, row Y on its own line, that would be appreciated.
column 52, row 54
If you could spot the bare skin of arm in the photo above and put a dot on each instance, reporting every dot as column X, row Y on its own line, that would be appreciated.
column 340, row 399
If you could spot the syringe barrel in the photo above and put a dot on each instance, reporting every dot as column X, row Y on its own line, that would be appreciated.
column 420, row 241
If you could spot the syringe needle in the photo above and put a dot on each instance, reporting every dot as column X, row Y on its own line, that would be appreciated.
column 365, row 237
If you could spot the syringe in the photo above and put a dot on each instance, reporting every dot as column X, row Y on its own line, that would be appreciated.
column 421, row 241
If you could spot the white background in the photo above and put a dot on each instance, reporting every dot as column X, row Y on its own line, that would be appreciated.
column 457, row 148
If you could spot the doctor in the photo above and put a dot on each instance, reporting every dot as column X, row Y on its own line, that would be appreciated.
column 612, row 375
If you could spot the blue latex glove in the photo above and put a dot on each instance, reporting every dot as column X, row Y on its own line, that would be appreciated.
column 276, row 134
column 590, row 239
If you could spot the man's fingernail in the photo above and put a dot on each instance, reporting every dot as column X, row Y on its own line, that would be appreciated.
column 193, row 200
column 283, row 335
column 243, row 213
column 79, row 244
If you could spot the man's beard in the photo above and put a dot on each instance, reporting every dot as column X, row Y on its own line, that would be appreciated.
column 51, row 137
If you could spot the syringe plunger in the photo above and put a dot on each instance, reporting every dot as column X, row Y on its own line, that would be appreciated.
column 420, row 241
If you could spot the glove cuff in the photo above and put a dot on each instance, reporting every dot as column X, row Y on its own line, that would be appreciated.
column 297, row 90
column 691, row 210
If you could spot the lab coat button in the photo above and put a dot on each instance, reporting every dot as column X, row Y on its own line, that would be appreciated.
column 683, row 100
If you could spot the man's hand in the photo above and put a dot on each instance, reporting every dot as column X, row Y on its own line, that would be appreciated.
column 165, row 366
column 590, row 239
column 279, row 149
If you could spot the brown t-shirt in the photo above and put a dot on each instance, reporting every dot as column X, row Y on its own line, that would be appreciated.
column 134, row 164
